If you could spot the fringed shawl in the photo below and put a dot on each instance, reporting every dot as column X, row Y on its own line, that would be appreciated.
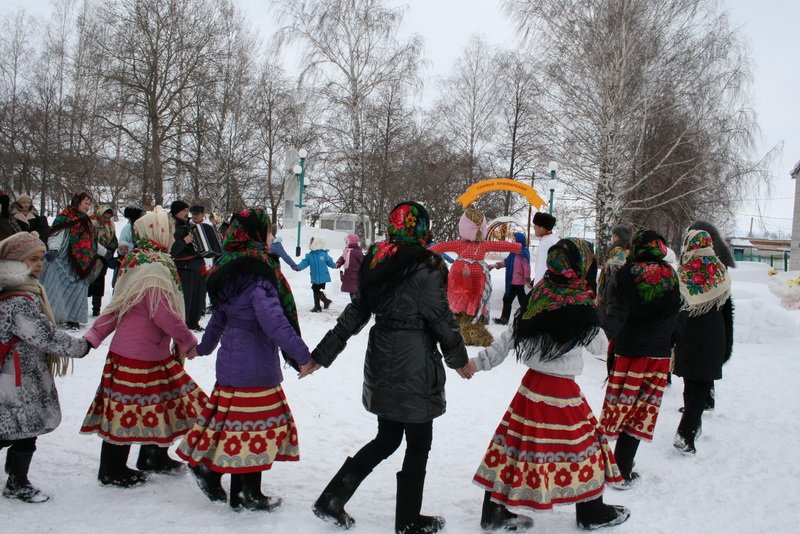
column 704, row 281
column 148, row 269
column 561, row 314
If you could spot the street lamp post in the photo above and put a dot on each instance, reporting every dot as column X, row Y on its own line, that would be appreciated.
column 553, row 168
column 300, row 173
column 530, row 211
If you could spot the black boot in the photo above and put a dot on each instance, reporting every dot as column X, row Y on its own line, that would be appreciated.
column 326, row 302
column 155, row 459
column 113, row 469
column 595, row 514
column 246, row 493
column 501, row 320
column 496, row 517
column 210, row 483
column 316, row 307
column 96, row 301
column 407, row 519
column 625, row 452
column 18, row 486
column 330, row 504
column 684, row 442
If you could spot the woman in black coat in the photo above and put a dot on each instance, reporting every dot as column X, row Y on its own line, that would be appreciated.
column 705, row 331
column 403, row 284
column 641, row 318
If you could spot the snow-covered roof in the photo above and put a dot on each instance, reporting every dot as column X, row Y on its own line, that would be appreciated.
column 739, row 242
column 795, row 170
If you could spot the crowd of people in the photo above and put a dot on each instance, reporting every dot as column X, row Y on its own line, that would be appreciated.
column 650, row 316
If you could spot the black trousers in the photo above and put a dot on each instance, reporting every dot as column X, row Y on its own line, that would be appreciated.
column 517, row 292
column 192, row 280
column 695, row 397
column 19, row 445
column 419, row 437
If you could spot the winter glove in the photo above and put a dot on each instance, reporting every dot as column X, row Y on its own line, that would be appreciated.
column 88, row 347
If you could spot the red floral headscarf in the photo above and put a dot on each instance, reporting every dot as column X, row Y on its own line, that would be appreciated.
column 409, row 224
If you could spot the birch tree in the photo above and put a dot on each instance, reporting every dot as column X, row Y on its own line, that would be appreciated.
column 351, row 53
column 613, row 70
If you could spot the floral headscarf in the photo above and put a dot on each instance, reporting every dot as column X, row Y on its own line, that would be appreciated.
column 82, row 244
column 653, row 277
column 704, row 281
column 148, row 268
column 246, row 237
column 409, row 224
column 104, row 231
column 561, row 312
column 245, row 252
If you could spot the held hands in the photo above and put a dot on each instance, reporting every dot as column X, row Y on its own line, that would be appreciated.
column 191, row 353
column 308, row 368
column 468, row 370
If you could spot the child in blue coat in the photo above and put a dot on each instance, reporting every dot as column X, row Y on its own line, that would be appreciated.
column 319, row 260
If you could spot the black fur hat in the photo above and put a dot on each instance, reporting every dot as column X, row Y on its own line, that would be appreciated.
column 545, row 220
column 624, row 235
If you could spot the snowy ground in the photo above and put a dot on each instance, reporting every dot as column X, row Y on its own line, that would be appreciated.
column 740, row 481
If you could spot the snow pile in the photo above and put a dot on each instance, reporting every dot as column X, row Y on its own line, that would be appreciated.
column 760, row 317
column 741, row 481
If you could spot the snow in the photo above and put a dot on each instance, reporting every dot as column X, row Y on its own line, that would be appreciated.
column 739, row 482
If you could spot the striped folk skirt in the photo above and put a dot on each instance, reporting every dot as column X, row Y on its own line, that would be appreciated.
column 633, row 396
column 242, row 430
column 547, row 450
column 143, row 402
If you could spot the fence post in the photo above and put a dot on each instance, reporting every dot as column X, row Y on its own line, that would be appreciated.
column 771, row 260
column 785, row 260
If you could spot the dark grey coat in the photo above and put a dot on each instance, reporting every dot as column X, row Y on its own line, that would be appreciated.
column 403, row 372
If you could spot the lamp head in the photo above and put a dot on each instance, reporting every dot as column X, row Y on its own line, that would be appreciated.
column 297, row 169
column 302, row 153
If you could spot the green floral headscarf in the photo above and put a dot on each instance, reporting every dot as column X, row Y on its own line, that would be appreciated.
column 561, row 313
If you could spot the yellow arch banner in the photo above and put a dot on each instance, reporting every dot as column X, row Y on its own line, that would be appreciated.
column 500, row 184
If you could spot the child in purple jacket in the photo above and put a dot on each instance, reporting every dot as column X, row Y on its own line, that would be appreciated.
column 247, row 423
column 351, row 259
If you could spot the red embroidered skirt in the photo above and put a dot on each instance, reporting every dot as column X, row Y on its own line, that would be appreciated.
column 465, row 287
column 547, row 450
column 242, row 430
column 633, row 396
column 143, row 402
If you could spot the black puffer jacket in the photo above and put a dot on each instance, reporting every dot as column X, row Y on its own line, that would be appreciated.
column 704, row 343
column 403, row 372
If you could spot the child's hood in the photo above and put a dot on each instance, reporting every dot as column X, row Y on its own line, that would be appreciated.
column 13, row 273
column 317, row 243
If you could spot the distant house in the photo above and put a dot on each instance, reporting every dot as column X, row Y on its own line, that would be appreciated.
column 795, row 261
column 772, row 251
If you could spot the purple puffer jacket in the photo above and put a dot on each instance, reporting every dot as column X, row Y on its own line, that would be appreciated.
column 351, row 273
column 252, row 327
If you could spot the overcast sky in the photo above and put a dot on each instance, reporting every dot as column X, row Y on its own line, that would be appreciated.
column 771, row 28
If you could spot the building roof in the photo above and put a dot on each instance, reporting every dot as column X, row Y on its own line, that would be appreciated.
column 740, row 242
